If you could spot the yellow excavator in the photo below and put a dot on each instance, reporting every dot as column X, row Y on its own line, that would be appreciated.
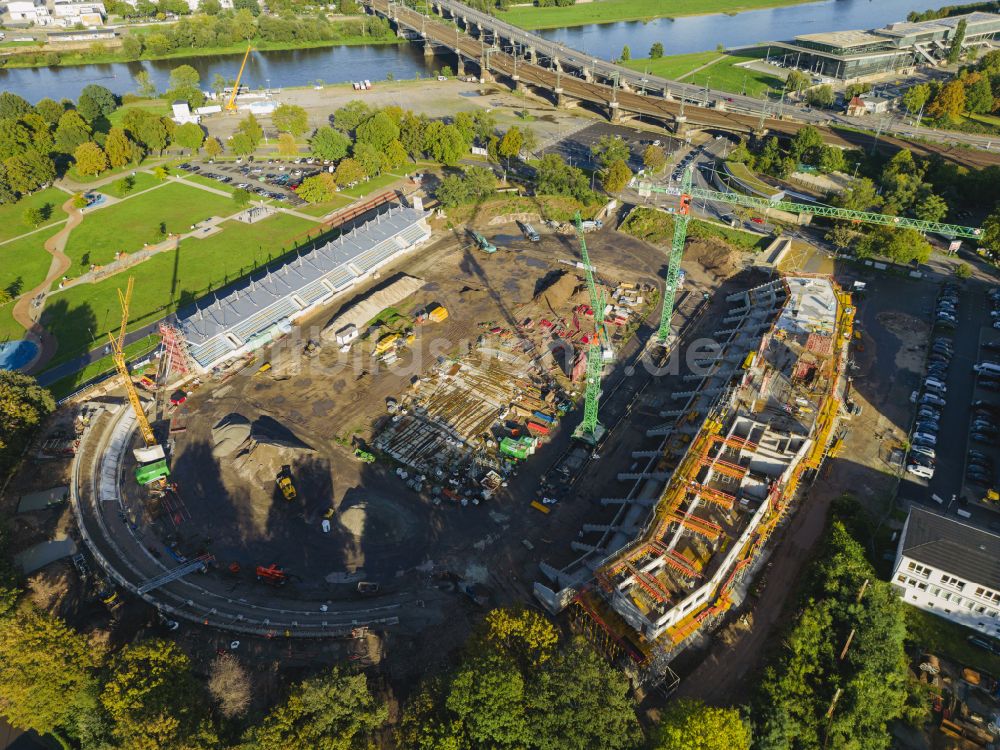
column 231, row 104
column 284, row 480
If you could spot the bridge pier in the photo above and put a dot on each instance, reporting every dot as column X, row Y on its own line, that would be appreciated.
column 519, row 87
column 459, row 64
column 428, row 48
column 529, row 53
column 614, row 112
column 484, row 72
column 680, row 125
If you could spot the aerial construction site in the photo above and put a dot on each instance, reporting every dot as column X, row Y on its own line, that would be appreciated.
column 405, row 421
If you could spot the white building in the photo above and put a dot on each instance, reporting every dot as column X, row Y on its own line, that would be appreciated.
column 949, row 568
column 71, row 13
column 183, row 114
column 27, row 12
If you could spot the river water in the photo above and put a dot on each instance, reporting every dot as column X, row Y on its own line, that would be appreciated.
column 338, row 64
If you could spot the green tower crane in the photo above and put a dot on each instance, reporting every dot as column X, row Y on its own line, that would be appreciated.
column 591, row 430
column 687, row 193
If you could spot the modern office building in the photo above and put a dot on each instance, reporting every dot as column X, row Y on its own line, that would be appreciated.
column 949, row 568
column 852, row 55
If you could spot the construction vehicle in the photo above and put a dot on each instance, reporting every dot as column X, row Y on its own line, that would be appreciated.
column 285, row 484
column 231, row 104
column 683, row 216
column 483, row 243
column 992, row 496
column 312, row 348
column 364, row 456
column 367, row 588
column 272, row 574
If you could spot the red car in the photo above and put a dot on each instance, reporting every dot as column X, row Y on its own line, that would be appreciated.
column 757, row 220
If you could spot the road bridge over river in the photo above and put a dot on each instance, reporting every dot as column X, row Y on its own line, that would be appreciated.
column 569, row 77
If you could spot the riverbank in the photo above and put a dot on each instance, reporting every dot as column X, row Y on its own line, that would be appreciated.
column 612, row 11
column 40, row 58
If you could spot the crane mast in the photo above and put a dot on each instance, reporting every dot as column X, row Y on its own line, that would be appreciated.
column 231, row 104
column 591, row 430
column 118, row 356
column 681, row 219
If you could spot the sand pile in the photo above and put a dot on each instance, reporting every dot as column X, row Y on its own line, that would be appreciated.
column 560, row 292
column 257, row 450
column 230, row 434
column 714, row 256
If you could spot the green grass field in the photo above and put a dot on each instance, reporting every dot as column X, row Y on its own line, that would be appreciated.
column 79, row 314
column 143, row 181
column 942, row 637
column 12, row 221
column 9, row 329
column 722, row 74
column 159, row 107
column 322, row 209
column 608, row 11
column 372, row 186
column 127, row 225
column 24, row 262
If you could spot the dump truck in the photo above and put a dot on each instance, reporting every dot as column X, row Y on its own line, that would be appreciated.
column 285, row 484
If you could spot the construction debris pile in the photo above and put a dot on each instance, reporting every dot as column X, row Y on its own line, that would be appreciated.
column 256, row 450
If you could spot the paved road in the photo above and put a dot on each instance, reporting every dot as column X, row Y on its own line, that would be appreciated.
column 500, row 32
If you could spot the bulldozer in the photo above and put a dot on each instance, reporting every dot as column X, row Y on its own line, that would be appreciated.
column 285, row 484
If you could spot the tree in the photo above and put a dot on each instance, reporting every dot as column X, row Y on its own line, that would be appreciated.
column 243, row 24
column 144, row 85
column 979, row 96
column 50, row 110
column 626, row 53
column 692, row 725
column 806, row 144
column 15, row 138
column 212, row 147
column 899, row 245
column 29, row 171
column 332, row 712
column 348, row 173
column 370, row 158
column 100, row 98
column 47, row 671
column 33, row 216
column 831, row 159
column 318, row 188
column 378, row 131
column 949, row 102
column 189, row 136
column 327, row 143
column 13, row 106
column 251, row 129
column 411, row 132
column 511, row 143
column 71, row 132
column 118, row 147
column 287, row 145
column 210, row 7
column 842, row 236
column 125, row 185
column 347, row 118
column 132, row 48
column 931, row 208
column 184, row 85
column 444, row 143
column 915, row 97
column 796, row 80
column 955, row 48
column 556, row 177
column 153, row 700
column 229, row 681
column 860, row 196
column 821, row 96
column 241, row 144
column 654, row 158
column 991, row 232
column 656, row 51
column 609, row 149
column 290, row 118
column 616, row 176
column 249, row 5
column 90, row 159
column 487, row 698
column 395, row 154
column 161, row 173
column 962, row 271
column 242, row 197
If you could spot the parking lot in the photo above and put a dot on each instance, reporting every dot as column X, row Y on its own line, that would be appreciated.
column 274, row 179
column 953, row 456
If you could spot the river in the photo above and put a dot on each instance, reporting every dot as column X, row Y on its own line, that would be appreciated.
column 338, row 64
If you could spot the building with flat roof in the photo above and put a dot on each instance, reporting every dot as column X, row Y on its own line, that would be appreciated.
column 262, row 306
column 850, row 55
column 671, row 563
column 950, row 568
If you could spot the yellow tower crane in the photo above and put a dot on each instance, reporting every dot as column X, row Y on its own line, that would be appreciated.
column 231, row 104
column 118, row 355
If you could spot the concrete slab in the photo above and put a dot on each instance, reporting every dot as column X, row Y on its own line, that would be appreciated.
column 37, row 557
column 43, row 499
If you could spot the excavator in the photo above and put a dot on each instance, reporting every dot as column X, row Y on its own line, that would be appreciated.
column 272, row 574
column 285, row 484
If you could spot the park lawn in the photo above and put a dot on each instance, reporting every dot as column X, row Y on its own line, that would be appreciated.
column 322, row 209
column 71, row 383
column 374, row 185
column 673, row 66
column 12, row 221
column 159, row 107
column 143, row 181
column 198, row 179
column 726, row 76
column 10, row 329
column 127, row 225
column 24, row 263
column 609, row 11
column 80, row 314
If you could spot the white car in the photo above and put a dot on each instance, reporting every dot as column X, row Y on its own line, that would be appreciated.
column 925, row 472
column 923, row 451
